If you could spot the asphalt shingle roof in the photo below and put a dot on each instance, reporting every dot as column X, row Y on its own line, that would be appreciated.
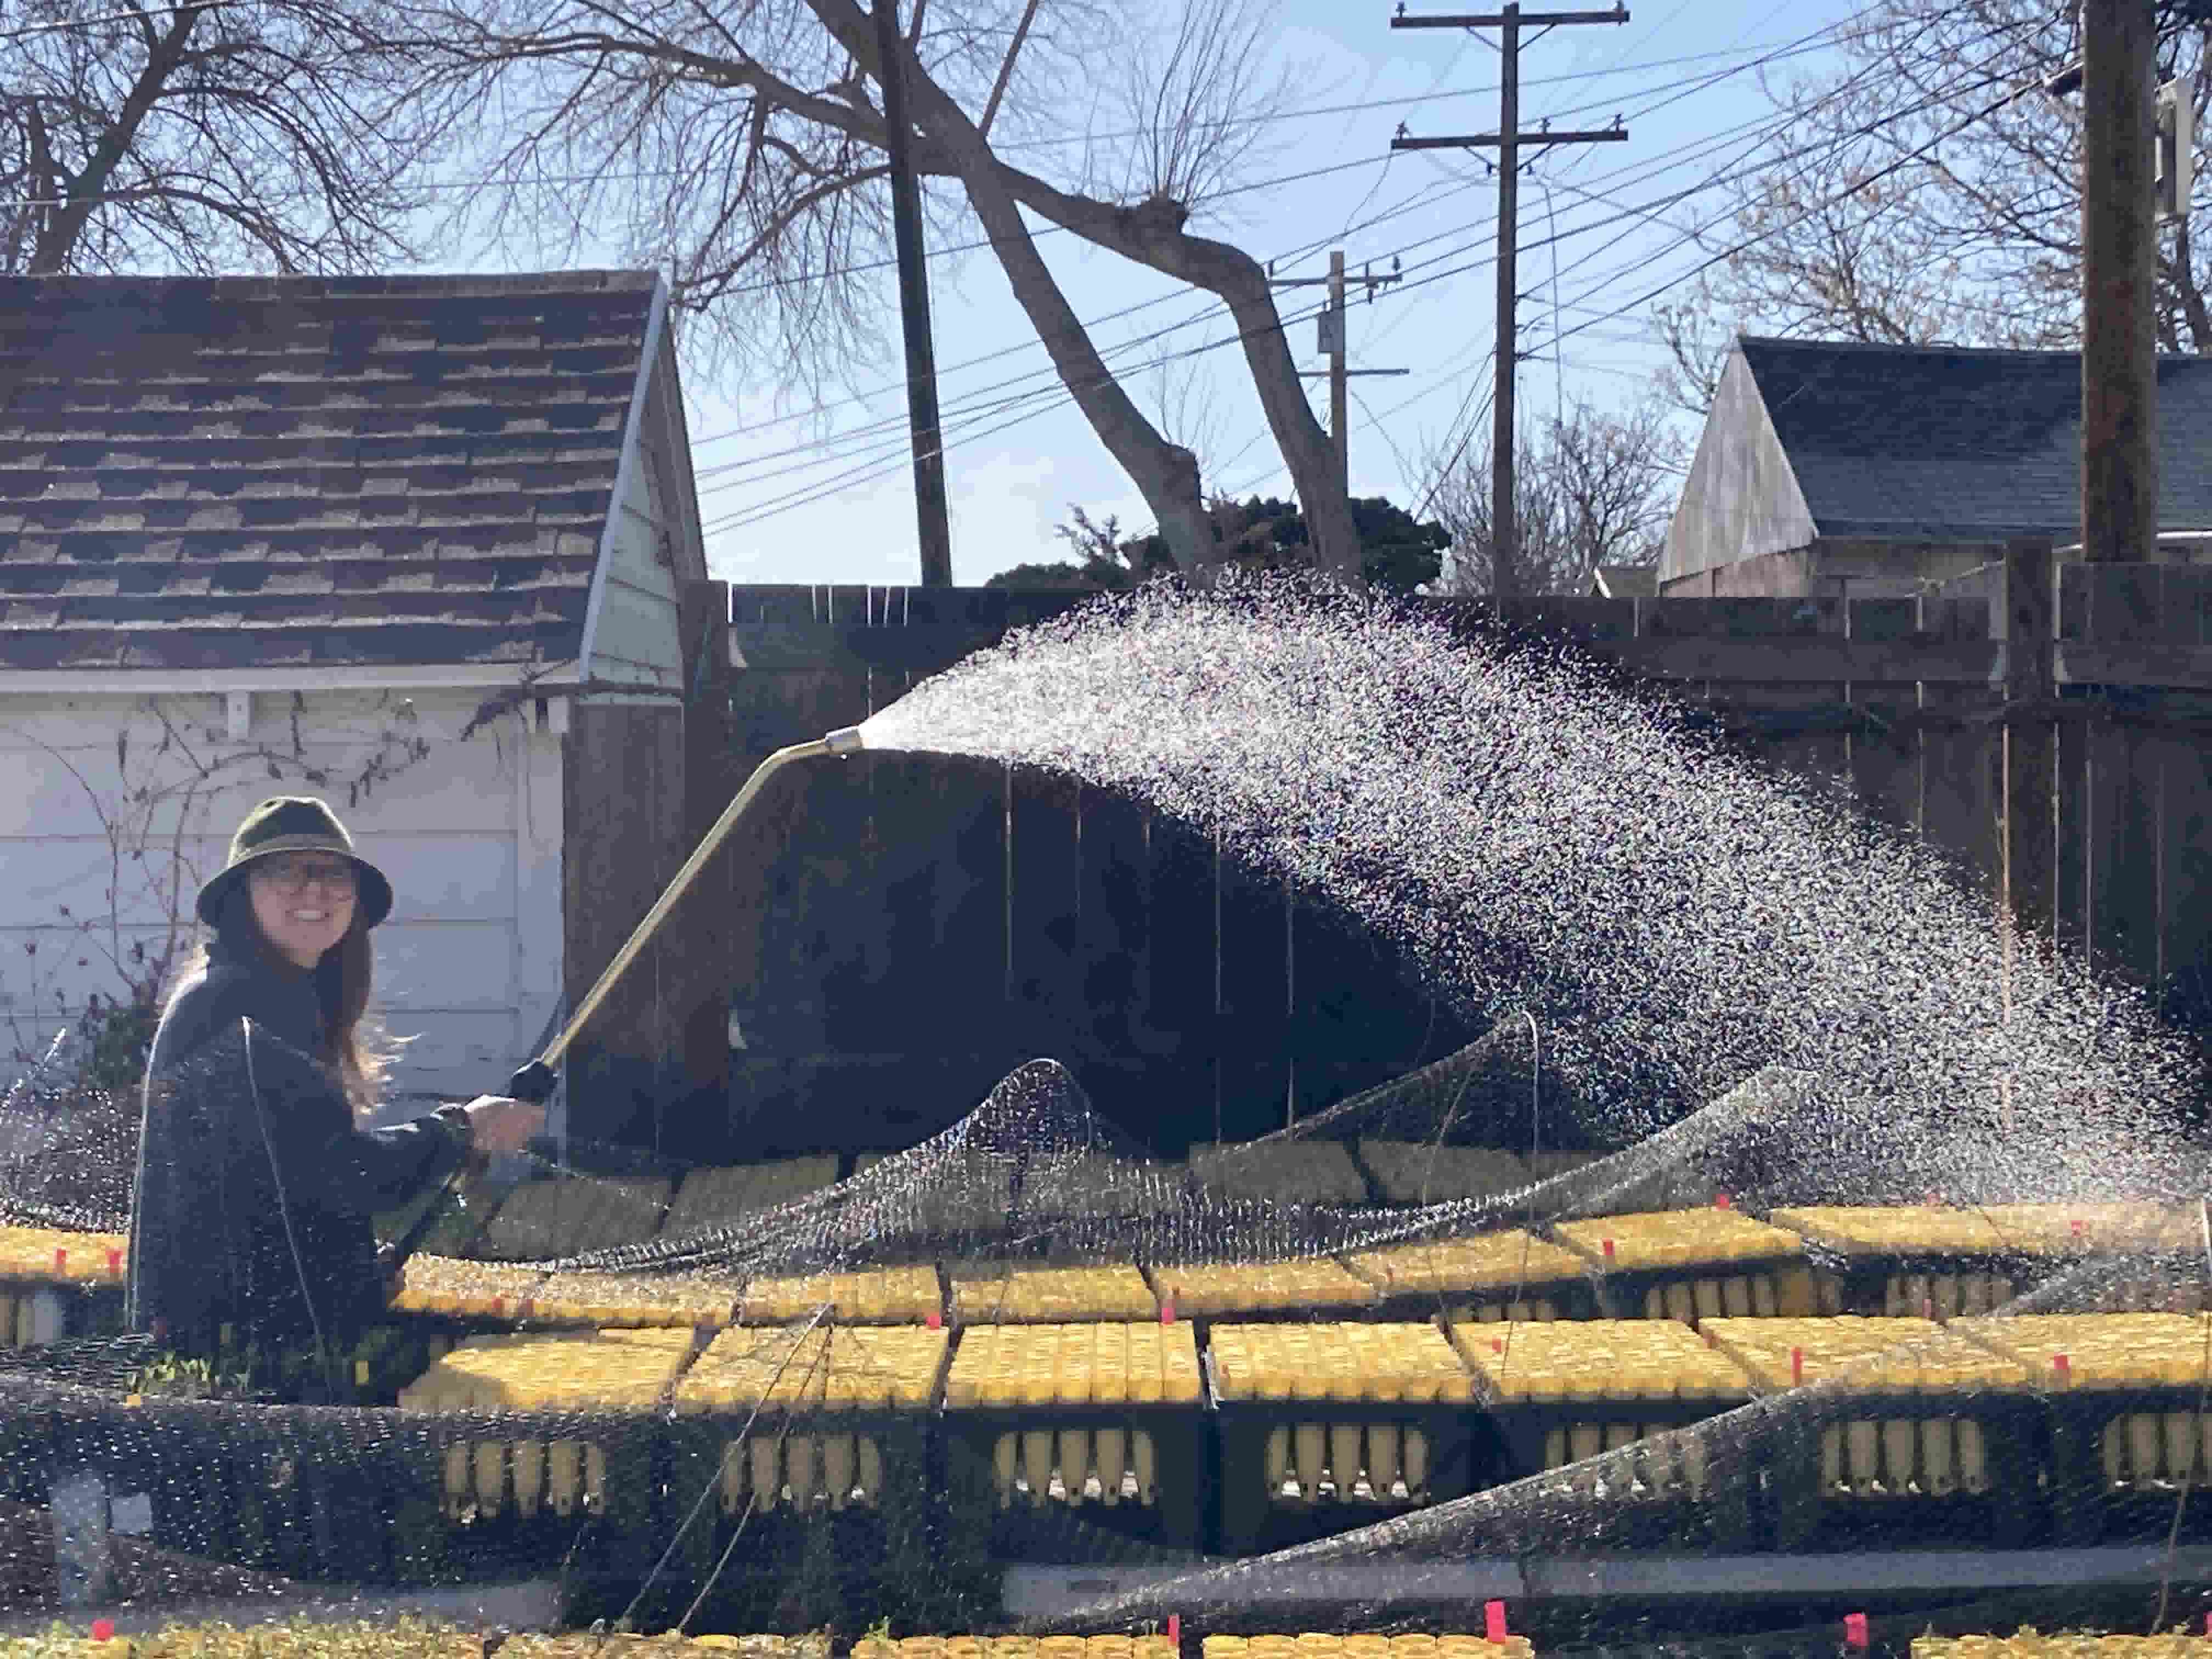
column 306, row 471
column 1947, row 443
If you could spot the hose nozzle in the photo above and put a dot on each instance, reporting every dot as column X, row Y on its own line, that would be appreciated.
column 845, row 741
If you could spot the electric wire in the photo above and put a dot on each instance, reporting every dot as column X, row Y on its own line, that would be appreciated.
column 744, row 518
column 30, row 30
column 1796, row 46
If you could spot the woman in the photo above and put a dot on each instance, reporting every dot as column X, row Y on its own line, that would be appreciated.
column 251, row 1206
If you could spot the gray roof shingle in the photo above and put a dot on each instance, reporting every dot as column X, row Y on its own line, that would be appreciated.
column 1955, row 443
column 306, row 471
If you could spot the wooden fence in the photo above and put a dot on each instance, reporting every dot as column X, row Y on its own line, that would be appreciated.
column 901, row 931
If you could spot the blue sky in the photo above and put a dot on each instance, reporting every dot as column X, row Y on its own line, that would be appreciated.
column 790, row 496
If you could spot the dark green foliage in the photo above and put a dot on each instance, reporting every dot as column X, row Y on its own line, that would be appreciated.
column 116, row 1036
column 1397, row 553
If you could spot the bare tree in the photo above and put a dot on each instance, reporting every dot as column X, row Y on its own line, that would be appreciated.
column 154, row 822
column 1595, row 489
column 1913, row 199
column 211, row 136
column 759, row 132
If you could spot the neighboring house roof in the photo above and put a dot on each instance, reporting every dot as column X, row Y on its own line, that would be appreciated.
column 304, row 472
column 1625, row 581
column 1954, row 443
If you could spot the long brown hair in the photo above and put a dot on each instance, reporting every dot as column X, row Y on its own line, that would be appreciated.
column 355, row 1046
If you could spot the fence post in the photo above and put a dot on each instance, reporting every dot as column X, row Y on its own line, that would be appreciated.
column 2027, row 827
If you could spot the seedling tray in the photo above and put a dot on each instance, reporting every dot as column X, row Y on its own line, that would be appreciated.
column 1768, row 1287
column 1683, row 1494
column 1264, row 1445
column 1047, row 1293
column 774, row 1472
column 34, row 1313
column 513, row 1488
column 2119, row 1458
column 1317, row 1287
column 55, row 1285
column 996, row 1458
column 1864, row 1470
column 1683, row 1501
column 1915, row 1261
column 1477, row 1280
column 1335, row 1426
column 1754, row 1269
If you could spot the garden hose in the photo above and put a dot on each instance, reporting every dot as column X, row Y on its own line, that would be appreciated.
column 534, row 1082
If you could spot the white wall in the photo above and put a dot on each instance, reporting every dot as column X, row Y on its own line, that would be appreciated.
column 469, row 834
column 1741, row 499
column 636, row 641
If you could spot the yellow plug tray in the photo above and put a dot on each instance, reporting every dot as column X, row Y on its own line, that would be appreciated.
column 1282, row 1172
column 467, row 1289
column 1415, row 1172
column 1051, row 1294
column 1014, row 1647
column 1259, row 1287
column 2031, row 1644
column 606, row 1299
column 49, row 1256
column 1600, row 1360
column 1414, row 1363
column 1028, row 1365
column 1872, row 1356
column 888, row 1296
column 1491, row 1262
column 2101, row 1351
column 1676, row 1238
column 628, row 1371
column 828, row 1368
column 2118, row 1227
column 1323, row 1646
column 1897, row 1230
column 540, row 1220
column 711, row 1197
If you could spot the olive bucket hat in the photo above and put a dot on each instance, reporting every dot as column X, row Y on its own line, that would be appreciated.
column 294, row 823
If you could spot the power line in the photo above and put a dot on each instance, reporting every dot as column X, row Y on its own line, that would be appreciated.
column 1824, row 144
column 1677, row 90
column 1876, row 177
column 1205, row 313
column 1797, row 47
column 1762, row 126
column 745, row 517
column 67, row 23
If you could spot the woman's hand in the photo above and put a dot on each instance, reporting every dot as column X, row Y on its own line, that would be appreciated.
column 499, row 1123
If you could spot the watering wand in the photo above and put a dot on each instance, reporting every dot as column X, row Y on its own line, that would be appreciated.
column 534, row 1082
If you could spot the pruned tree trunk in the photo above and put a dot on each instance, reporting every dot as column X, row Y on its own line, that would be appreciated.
column 1152, row 235
column 1165, row 472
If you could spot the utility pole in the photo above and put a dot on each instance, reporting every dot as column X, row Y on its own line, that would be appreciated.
column 929, row 505
column 2119, row 250
column 1509, row 138
column 1332, row 338
column 1340, row 384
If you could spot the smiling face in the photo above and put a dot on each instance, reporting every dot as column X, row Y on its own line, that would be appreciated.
column 304, row 903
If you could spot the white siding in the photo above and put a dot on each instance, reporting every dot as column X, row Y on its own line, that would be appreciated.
column 636, row 638
column 1741, row 499
column 469, row 833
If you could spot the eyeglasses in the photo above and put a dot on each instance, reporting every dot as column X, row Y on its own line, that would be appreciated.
column 295, row 873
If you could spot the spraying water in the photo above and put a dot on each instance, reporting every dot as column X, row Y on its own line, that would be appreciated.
column 1531, row 838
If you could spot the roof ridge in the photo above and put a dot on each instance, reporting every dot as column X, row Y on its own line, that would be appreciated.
column 439, row 455
column 1891, row 348
column 454, row 283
